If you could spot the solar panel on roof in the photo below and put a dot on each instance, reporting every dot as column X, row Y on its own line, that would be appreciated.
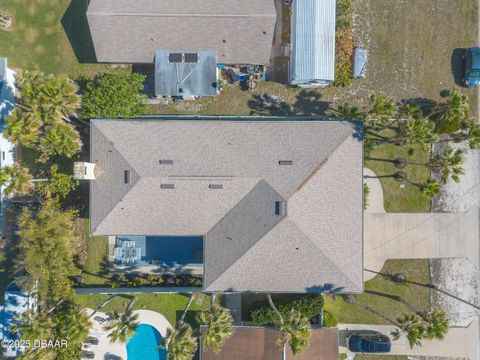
column 175, row 57
column 191, row 57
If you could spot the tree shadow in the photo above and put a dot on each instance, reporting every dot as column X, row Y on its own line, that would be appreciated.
column 428, row 286
column 190, row 318
column 75, row 25
column 426, row 105
column 325, row 288
column 307, row 102
column 458, row 66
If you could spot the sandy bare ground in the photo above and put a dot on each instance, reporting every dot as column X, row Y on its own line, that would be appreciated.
column 461, row 279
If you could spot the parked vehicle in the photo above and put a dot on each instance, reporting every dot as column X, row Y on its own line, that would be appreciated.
column 369, row 342
column 471, row 56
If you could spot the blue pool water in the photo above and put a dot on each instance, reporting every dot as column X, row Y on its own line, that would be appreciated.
column 143, row 345
column 180, row 249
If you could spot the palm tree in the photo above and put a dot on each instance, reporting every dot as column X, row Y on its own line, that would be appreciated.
column 413, row 327
column 382, row 110
column 59, row 94
column 470, row 133
column 295, row 329
column 180, row 342
column 217, row 327
column 437, row 324
column 22, row 127
column 59, row 139
column 419, row 131
column 16, row 179
column 453, row 113
column 122, row 326
column 51, row 94
column 431, row 188
column 348, row 112
column 449, row 163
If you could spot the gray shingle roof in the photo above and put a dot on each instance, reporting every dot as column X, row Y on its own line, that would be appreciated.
column 126, row 31
column 247, row 246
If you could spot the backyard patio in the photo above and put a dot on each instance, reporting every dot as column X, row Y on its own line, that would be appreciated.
column 181, row 255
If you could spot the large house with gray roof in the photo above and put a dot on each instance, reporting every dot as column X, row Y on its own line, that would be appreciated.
column 261, row 206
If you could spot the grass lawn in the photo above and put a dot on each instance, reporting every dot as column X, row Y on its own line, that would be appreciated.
column 396, row 199
column 50, row 36
column 169, row 305
column 419, row 297
column 96, row 267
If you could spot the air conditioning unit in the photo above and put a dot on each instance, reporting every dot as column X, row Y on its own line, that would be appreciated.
column 83, row 171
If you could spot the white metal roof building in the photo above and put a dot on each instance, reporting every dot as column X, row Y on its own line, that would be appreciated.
column 312, row 61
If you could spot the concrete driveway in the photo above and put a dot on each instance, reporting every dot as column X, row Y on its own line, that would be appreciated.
column 417, row 236
column 458, row 343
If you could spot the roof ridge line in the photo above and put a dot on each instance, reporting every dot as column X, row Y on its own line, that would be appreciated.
column 320, row 165
column 123, row 158
column 258, row 239
column 352, row 283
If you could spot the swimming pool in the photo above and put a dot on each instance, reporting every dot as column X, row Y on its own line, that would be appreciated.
column 143, row 345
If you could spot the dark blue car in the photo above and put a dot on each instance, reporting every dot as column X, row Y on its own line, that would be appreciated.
column 471, row 57
column 369, row 342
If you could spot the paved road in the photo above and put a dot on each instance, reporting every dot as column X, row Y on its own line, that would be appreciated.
column 458, row 343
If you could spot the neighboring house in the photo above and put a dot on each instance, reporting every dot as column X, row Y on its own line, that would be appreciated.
column 261, row 206
column 16, row 304
column 258, row 343
column 132, row 32
column 312, row 61
column 7, row 104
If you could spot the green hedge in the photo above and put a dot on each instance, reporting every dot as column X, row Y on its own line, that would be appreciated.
column 308, row 306
column 329, row 319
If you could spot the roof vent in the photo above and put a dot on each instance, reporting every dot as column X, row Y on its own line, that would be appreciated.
column 126, row 176
column 215, row 186
column 279, row 207
column 167, row 186
column 166, row 162
column 285, row 162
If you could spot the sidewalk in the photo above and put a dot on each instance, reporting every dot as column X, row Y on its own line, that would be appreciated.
column 375, row 195
column 458, row 343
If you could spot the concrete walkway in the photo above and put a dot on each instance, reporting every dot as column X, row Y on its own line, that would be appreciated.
column 417, row 236
column 458, row 343
column 375, row 196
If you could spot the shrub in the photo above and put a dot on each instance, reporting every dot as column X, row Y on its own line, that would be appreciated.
column 329, row 319
column 308, row 306
column 366, row 192
column 343, row 44
column 114, row 96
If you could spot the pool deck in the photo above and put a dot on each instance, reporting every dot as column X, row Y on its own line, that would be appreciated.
column 105, row 347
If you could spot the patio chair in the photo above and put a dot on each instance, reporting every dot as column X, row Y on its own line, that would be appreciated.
column 138, row 254
column 92, row 340
column 88, row 355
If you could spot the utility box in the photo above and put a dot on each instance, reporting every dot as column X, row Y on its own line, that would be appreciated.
column 84, row 171
column 360, row 57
